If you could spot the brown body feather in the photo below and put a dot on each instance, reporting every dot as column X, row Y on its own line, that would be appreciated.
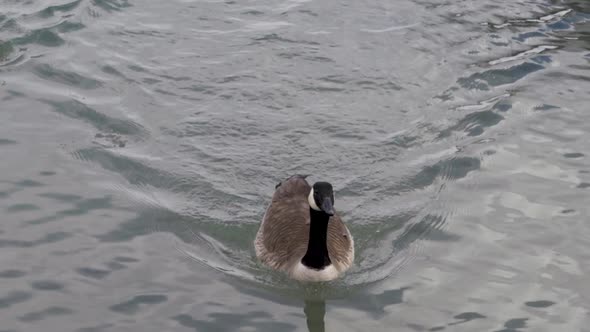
column 281, row 241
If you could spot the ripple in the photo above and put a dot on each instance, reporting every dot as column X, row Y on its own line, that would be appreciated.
column 111, row 5
column 384, row 248
column 448, row 169
column 529, row 209
column 200, row 190
column 143, row 224
column 253, row 12
column 22, row 207
column 539, row 304
column 14, row 297
column 47, row 285
column 318, row 88
column 42, row 220
column 467, row 317
column 568, row 76
column 49, row 312
column 429, row 227
column 80, row 111
column 28, row 183
column 49, row 238
column 113, row 71
column 53, row 10
column 528, row 21
column 273, row 37
column 474, row 124
column 5, row 141
column 514, row 325
column 523, row 55
column 136, row 172
column 573, row 155
column 114, row 266
column 44, row 37
column 84, row 206
column 523, row 37
column 11, row 94
column 373, row 304
column 10, row 274
column 498, row 77
column 6, row 49
column 53, row 74
column 124, row 259
column 391, row 28
column 546, row 107
column 93, row 273
column 60, row 197
column 98, row 328
column 134, row 305
column 462, row 318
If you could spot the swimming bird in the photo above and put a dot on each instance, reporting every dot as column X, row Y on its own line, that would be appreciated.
column 302, row 235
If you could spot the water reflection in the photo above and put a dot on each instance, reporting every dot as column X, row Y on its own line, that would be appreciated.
column 318, row 299
column 315, row 311
column 514, row 325
column 260, row 321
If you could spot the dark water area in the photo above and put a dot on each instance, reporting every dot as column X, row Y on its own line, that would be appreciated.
column 141, row 142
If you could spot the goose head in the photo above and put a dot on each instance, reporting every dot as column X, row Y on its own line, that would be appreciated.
column 321, row 198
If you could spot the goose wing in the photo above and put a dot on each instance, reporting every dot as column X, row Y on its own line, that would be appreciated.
column 284, row 232
column 340, row 243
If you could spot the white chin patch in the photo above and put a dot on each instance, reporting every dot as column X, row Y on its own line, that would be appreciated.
column 311, row 201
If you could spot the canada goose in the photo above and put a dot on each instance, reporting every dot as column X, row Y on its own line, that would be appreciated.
column 301, row 234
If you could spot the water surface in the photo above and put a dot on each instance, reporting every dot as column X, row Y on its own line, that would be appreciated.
column 141, row 142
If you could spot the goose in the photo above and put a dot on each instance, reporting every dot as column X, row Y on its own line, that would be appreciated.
column 302, row 235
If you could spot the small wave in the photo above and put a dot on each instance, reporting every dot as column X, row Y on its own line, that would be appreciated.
column 542, row 19
column 80, row 111
column 498, row 77
column 390, row 29
column 217, row 261
column 525, row 54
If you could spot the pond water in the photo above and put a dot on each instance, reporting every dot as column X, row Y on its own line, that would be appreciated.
column 141, row 142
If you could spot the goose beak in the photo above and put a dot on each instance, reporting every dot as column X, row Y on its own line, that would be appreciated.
column 327, row 207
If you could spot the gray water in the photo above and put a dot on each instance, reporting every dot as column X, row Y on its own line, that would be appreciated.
column 141, row 142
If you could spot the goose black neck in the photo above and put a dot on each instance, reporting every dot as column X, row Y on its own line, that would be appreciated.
column 317, row 256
